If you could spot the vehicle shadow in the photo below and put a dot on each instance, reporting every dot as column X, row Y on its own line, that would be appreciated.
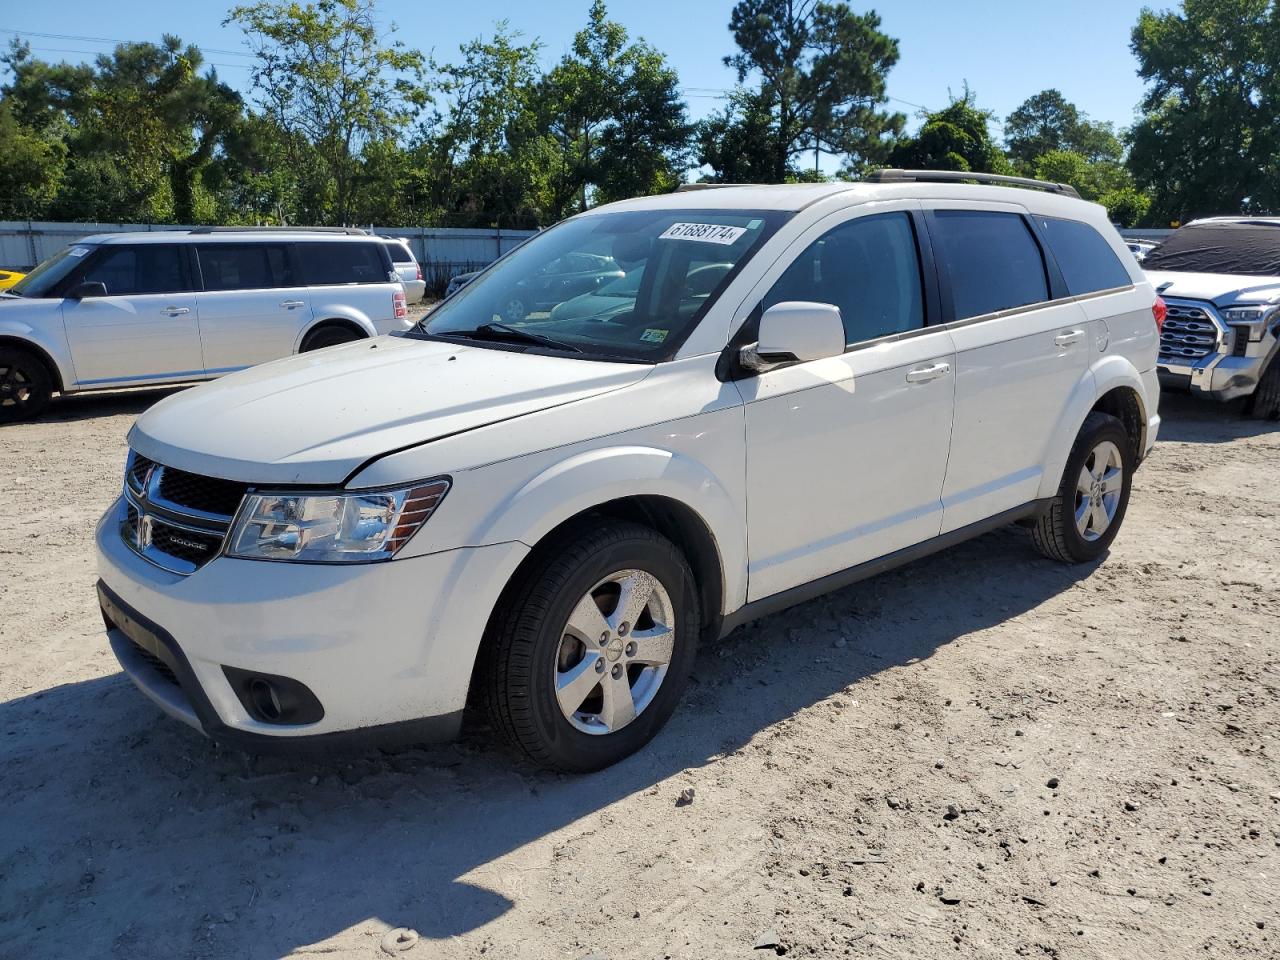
column 126, row 834
column 1188, row 419
column 89, row 406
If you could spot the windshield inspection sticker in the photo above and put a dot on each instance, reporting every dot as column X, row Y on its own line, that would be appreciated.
column 653, row 336
column 703, row 233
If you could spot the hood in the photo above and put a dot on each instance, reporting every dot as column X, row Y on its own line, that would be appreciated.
column 316, row 417
column 1220, row 289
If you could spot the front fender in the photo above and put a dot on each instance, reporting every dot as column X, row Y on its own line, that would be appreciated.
column 1107, row 374
column 48, row 340
column 551, row 493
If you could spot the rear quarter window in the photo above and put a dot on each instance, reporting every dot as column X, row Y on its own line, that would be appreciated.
column 1087, row 262
column 400, row 253
column 330, row 264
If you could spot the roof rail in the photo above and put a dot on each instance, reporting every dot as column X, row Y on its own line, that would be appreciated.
column 691, row 187
column 964, row 176
column 349, row 231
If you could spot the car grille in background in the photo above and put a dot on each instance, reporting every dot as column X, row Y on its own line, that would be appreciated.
column 175, row 519
column 1189, row 334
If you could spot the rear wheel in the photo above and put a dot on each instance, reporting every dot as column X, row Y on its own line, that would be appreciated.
column 1086, row 514
column 329, row 337
column 1265, row 402
column 25, row 385
column 589, row 654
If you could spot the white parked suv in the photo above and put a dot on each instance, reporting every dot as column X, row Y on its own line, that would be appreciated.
column 132, row 309
column 543, row 517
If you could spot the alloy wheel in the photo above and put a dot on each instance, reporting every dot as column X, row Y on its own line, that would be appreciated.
column 1098, row 490
column 614, row 652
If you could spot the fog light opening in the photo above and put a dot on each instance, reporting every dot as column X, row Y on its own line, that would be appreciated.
column 265, row 699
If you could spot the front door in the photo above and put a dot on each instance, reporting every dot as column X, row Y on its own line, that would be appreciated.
column 846, row 456
column 144, row 330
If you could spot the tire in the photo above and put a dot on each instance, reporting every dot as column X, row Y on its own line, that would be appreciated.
column 329, row 336
column 1265, row 402
column 25, row 385
column 1059, row 534
column 536, row 642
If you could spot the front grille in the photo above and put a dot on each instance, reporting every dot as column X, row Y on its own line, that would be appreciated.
column 175, row 519
column 1190, row 334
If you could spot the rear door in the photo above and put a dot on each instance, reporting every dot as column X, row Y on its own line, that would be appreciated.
column 253, row 305
column 144, row 330
column 846, row 456
column 1021, row 347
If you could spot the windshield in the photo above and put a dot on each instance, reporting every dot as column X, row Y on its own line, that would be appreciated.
column 629, row 285
column 40, row 281
column 1244, row 249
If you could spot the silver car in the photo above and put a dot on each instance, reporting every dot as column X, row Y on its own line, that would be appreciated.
column 407, row 269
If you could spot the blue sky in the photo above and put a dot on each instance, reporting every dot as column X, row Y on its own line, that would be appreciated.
column 1005, row 49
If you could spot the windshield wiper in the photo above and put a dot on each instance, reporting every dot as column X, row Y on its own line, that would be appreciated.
column 502, row 332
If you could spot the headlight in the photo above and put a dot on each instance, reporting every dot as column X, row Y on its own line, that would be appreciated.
column 340, row 527
column 1253, row 319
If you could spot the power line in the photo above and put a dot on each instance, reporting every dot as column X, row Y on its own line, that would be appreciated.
column 81, row 39
column 207, row 63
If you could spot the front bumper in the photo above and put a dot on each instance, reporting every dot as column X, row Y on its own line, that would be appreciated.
column 386, row 648
column 1217, row 376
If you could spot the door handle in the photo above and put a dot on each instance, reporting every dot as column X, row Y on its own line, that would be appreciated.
column 925, row 374
column 1068, row 338
column 177, row 311
column 292, row 303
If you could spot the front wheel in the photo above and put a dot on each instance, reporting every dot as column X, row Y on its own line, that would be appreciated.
column 25, row 385
column 1265, row 402
column 1086, row 514
column 590, row 651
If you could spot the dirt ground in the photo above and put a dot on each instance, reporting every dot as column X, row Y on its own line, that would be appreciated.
column 982, row 755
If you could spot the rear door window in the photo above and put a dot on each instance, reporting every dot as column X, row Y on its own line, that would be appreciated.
column 329, row 264
column 991, row 259
column 1087, row 262
column 869, row 268
column 245, row 266
column 135, row 270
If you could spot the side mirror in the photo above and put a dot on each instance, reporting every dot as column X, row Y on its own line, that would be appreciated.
column 83, row 291
column 795, row 332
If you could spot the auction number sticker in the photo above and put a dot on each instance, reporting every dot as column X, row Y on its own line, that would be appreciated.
column 703, row 233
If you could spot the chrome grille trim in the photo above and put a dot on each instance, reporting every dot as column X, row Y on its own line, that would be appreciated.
column 1193, row 333
column 177, row 537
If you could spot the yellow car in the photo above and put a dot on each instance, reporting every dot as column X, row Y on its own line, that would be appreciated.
column 9, row 277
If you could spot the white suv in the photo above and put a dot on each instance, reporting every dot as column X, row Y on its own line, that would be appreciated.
column 544, row 516
column 131, row 309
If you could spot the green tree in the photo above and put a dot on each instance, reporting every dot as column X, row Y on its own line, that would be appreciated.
column 738, row 142
column 614, row 113
column 956, row 137
column 822, row 71
column 1208, row 140
column 1047, row 122
column 328, row 78
column 487, row 159
column 31, row 168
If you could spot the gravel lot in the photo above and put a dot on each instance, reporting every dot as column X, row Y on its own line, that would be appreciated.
column 982, row 755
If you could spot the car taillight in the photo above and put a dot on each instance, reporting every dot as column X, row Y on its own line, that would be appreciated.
column 398, row 305
column 419, row 271
column 1159, row 310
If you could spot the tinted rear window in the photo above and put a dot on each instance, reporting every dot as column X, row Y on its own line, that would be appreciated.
column 400, row 253
column 245, row 266
column 1086, row 260
column 992, row 260
column 327, row 264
